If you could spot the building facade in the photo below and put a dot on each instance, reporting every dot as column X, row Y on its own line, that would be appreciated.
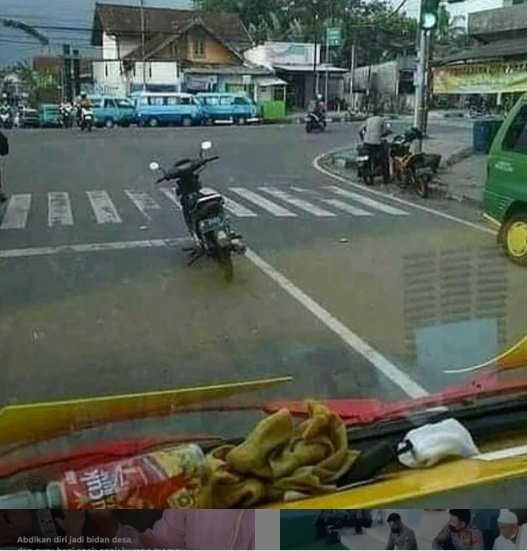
column 184, row 50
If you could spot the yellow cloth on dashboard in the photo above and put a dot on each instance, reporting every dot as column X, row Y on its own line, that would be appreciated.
column 279, row 456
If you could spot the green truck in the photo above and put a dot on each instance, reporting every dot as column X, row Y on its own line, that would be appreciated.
column 505, row 195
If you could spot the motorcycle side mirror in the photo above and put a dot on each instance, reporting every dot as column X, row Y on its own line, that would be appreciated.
column 154, row 166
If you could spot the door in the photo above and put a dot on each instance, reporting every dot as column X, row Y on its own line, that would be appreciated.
column 507, row 166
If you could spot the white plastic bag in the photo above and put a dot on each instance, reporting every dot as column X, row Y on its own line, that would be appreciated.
column 433, row 442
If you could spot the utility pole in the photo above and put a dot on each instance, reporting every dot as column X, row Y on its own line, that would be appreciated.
column 143, row 43
column 352, row 74
column 326, row 91
column 315, row 73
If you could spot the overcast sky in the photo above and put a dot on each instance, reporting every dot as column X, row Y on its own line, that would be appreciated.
column 15, row 45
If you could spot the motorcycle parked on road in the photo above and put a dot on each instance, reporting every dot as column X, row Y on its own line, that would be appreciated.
column 411, row 170
column 204, row 213
column 87, row 120
column 6, row 117
column 66, row 116
column 315, row 122
column 369, row 165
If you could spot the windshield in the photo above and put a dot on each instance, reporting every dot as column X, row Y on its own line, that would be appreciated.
column 339, row 265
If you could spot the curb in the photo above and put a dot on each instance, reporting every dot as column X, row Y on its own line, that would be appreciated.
column 337, row 160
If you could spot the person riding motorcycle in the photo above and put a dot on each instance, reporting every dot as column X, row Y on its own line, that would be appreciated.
column 372, row 134
column 320, row 108
column 85, row 101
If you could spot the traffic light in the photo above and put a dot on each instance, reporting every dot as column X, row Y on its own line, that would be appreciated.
column 429, row 14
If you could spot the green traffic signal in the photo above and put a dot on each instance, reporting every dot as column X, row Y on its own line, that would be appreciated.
column 429, row 14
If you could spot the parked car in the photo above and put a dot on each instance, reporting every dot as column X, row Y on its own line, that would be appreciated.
column 223, row 107
column 111, row 111
column 49, row 115
column 162, row 109
column 29, row 118
column 505, row 195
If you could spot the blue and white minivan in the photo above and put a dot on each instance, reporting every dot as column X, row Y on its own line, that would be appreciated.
column 110, row 111
column 224, row 107
column 166, row 108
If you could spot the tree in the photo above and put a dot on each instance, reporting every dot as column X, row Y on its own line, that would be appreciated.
column 451, row 35
column 377, row 32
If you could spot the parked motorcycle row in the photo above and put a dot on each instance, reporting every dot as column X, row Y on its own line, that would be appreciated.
column 395, row 159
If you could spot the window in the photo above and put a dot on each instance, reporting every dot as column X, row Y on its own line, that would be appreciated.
column 199, row 47
column 516, row 137
column 226, row 100
column 241, row 101
column 124, row 103
column 211, row 101
column 106, row 69
column 157, row 100
column 109, row 103
column 172, row 100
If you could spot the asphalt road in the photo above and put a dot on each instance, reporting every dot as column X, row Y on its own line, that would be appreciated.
column 352, row 293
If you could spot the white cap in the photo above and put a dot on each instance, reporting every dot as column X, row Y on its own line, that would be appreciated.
column 507, row 517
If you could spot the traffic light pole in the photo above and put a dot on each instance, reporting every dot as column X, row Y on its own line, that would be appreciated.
column 421, row 85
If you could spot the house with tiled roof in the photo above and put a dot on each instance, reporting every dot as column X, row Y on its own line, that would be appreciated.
column 171, row 50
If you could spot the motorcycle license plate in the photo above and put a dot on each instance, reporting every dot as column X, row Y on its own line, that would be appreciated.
column 362, row 158
column 210, row 223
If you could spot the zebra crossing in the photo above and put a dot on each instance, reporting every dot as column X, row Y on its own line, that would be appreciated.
column 285, row 202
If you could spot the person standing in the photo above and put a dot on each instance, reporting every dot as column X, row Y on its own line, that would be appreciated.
column 4, row 151
column 401, row 536
column 459, row 532
column 509, row 531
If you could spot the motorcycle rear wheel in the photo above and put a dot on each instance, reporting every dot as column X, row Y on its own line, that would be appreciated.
column 226, row 265
column 420, row 184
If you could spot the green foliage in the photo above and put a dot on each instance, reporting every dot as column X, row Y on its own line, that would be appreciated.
column 378, row 33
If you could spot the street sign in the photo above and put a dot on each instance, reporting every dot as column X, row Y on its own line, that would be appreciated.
column 334, row 36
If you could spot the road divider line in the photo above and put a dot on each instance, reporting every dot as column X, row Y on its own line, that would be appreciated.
column 366, row 201
column 92, row 247
column 299, row 203
column 170, row 194
column 15, row 217
column 382, row 364
column 143, row 202
column 316, row 165
column 262, row 202
column 235, row 208
column 103, row 207
column 59, row 209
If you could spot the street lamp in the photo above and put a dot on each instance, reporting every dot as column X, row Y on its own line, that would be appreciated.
column 315, row 74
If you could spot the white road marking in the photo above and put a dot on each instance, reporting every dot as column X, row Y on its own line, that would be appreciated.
column 143, row 202
column 59, row 209
column 299, row 203
column 103, row 207
column 234, row 207
column 382, row 364
column 92, row 247
column 350, row 209
column 15, row 217
column 356, row 211
column 262, row 202
column 170, row 194
column 428, row 210
column 366, row 201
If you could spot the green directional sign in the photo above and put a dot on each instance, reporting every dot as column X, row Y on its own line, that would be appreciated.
column 334, row 36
